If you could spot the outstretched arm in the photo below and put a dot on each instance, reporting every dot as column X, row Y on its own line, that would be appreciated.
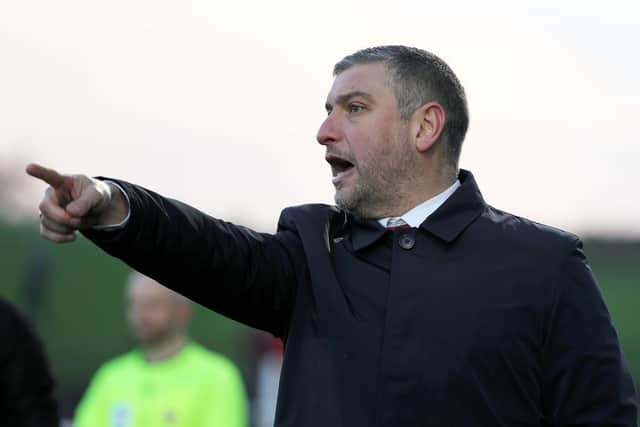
column 247, row 276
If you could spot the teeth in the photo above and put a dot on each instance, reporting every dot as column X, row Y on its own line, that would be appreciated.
column 338, row 176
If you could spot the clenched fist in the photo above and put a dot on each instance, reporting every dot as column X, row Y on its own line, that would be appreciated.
column 76, row 202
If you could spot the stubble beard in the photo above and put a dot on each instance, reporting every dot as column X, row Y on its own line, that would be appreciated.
column 384, row 181
column 153, row 338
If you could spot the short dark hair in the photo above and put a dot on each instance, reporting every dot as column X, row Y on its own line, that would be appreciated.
column 419, row 77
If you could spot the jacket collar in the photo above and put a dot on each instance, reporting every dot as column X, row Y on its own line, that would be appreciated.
column 446, row 223
column 460, row 210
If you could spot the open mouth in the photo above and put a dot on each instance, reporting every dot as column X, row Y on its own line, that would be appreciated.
column 340, row 167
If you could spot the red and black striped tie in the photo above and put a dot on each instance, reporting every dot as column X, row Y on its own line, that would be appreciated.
column 397, row 223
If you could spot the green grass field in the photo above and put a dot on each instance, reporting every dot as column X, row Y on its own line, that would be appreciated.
column 81, row 315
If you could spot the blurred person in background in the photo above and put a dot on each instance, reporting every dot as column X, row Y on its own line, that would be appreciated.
column 267, row 365
column 26, row 384
column 169, row 380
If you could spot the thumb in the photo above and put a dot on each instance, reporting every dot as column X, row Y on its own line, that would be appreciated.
column 93, row 199
column 83, row 204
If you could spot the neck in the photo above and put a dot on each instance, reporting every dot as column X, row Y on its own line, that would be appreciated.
column 422, row 189
column 164, row 350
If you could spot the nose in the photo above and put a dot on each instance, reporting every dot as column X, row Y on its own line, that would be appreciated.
column 329, row 130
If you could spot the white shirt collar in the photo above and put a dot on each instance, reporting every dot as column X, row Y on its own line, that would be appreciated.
column 420, row 213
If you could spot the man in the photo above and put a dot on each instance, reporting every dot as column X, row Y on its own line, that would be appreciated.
column 411, row 303
column 168, row 381
column 26, row 386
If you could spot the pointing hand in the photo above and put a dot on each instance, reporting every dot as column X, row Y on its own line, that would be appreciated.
column 75, row 202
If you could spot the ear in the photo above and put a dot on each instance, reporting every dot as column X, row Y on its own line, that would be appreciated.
column 427, row 123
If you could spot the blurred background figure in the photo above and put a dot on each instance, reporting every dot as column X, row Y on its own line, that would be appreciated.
column 168, row 380
column 266, row 354
column 26, row 385
column 37, row 276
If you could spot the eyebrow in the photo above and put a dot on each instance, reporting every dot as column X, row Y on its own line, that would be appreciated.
column 344, row 98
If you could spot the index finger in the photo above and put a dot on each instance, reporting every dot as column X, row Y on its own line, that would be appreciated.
column 50, row 176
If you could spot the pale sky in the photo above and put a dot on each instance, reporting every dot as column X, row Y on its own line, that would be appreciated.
column 218, row 103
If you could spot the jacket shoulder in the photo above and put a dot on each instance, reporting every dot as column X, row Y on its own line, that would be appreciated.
column 316, row 213
column 526, row 233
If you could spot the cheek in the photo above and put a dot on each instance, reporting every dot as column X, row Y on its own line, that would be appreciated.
column 362, row 143
column 145, row 316
column 158, row 318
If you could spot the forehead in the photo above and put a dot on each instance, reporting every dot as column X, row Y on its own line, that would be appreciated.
column 144, row 288
column 372, row 79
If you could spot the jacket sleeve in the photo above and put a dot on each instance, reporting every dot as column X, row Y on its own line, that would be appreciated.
column 247, row 276
column 26, row 385
column 585, row 377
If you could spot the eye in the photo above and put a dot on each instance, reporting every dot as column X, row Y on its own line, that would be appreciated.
column 356, row 108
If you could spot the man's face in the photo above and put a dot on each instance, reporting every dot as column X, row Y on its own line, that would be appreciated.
column 367, row 142
column 153, row 312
